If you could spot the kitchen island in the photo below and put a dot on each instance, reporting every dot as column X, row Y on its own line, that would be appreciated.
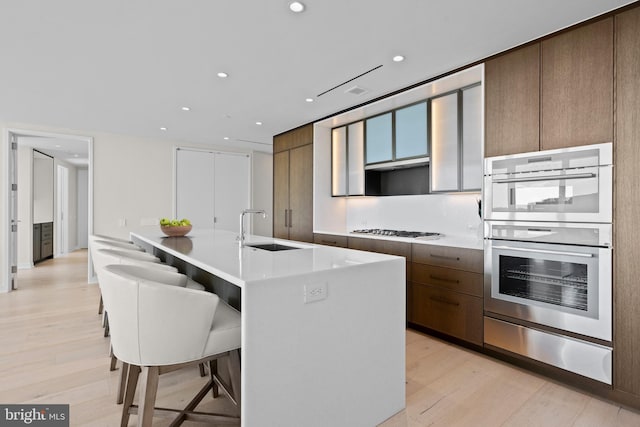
column 323, row 328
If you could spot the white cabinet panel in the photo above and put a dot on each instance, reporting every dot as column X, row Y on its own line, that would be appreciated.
column 444, row 143
column 356, row 159
column 339, row 161
column 472, row 138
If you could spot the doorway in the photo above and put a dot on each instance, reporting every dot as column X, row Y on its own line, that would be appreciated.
column 65, row 147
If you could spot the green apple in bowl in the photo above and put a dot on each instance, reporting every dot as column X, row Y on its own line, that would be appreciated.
column 175, row 227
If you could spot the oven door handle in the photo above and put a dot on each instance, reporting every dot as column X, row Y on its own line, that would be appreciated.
column 545, row 178
column 543, row 251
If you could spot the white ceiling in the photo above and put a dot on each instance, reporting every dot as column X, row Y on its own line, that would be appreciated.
column 128, row 66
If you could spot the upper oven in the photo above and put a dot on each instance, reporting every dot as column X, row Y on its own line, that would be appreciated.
column 570, row 184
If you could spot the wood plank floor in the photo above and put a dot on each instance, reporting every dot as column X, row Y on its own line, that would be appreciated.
column 52, row 351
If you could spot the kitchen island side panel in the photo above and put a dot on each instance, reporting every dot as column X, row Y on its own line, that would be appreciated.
column 338, row 361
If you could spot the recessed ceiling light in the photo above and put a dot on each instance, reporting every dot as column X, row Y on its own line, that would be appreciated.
column 76, row 155
column 296, row 6
column 58, row 145
column 186, row 109
column 223, row 75
column 309, row 99
column 398, row 58
column 226, row 138
column 163, row 128
column 259, row 123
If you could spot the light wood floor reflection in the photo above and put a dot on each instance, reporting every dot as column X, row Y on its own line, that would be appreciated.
column 52, row 350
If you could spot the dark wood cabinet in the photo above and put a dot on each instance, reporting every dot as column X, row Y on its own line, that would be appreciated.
column 512, row 102
column 577, row 86
column 626, row 291
column 447, row 292
column 42, row 241
column 553, row 94
column 330, row 240
column 293, row 185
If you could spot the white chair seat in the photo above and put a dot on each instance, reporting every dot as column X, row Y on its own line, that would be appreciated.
column 225, row 331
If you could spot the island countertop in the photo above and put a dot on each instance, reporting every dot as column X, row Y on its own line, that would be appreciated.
column 218, row 252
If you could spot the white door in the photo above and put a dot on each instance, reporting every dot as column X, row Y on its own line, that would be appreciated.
column 194, row 187
column 13, row 209
column 231, row 189
column 212, row 188
column 62, row 214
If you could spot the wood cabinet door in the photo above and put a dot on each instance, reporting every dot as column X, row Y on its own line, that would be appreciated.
column 280, row 194
column 301, row 193
column 626, row 291
column 512, row 102
column 577, row 87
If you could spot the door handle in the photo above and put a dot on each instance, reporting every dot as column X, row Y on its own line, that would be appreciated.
column 545, row 178
column 290, row 218
column 543, row 251
column 286, row 218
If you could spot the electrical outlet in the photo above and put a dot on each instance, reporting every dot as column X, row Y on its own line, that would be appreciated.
column 315, row 292
column 122, row 222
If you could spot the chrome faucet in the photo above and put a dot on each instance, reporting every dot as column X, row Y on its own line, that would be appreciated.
column 246, row 211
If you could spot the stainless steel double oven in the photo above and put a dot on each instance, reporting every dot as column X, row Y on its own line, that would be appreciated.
column 548, row 257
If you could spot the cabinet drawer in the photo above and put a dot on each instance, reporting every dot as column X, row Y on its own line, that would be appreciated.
column 451, row 313
column 447, row 278
column 46, row 249
column 388, row 247
column 330, row 240
column 446, row 256
column 47, row 235
column 47, row 227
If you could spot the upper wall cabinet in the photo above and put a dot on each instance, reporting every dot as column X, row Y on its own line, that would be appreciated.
column 411, row 131
column 577, row 87
column 553, row 94
column 512, row 102
column 456, row 140
column 347, row 160
column 379, row 138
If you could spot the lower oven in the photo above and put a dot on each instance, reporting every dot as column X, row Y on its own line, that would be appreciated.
column 548, row 293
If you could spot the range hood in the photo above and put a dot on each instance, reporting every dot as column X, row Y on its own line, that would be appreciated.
column 398, row 164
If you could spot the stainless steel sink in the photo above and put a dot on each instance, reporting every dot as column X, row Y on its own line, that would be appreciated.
column 272, row 247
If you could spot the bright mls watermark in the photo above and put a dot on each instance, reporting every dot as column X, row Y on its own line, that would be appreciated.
column 34, row 415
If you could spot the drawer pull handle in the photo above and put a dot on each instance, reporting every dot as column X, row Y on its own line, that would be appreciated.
column 444, row 301
column 442, row 279
column 331, row 242
column 455, row 258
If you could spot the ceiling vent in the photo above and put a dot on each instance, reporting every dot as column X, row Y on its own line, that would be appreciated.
column 356, row 90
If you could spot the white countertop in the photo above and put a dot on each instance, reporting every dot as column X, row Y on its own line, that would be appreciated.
column 218, row 252
column 468, row 242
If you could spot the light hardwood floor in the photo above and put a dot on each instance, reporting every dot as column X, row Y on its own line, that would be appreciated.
column 52, row 351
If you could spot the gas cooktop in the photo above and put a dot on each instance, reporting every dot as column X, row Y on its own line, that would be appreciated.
column 399, row 233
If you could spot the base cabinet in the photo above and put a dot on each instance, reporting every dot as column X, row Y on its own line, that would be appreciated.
column 42, row 241
column 446, row 291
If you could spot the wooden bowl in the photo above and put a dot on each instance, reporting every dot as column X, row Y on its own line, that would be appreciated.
column 175, row 230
